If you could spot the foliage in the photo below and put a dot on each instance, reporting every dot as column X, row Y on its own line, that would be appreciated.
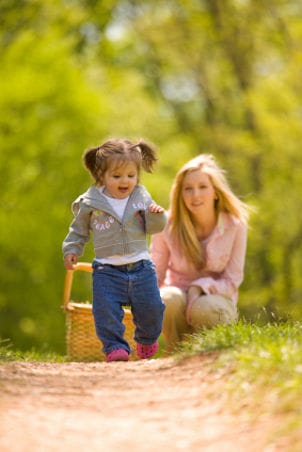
column 200, row 76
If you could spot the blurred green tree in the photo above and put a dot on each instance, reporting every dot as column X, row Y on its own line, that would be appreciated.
column 199, row 76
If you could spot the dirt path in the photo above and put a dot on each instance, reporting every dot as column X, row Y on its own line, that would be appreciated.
column 138, row 406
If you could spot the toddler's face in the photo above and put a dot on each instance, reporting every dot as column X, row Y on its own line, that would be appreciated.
column 120, row 180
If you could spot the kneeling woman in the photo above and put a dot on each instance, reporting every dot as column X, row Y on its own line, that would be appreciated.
column 200, row 255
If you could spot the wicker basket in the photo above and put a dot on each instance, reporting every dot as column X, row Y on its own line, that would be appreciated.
column 81, row 341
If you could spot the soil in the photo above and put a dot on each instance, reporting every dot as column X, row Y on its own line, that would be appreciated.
column 137, row 406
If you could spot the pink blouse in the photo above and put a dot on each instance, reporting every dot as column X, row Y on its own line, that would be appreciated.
column 225, row 252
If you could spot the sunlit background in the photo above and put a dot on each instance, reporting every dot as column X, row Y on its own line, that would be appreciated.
column 189, row 76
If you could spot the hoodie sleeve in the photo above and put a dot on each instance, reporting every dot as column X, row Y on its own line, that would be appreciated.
column 79, row 230
column 154, row 222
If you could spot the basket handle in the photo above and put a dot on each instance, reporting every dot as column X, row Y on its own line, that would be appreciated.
column 83, row 266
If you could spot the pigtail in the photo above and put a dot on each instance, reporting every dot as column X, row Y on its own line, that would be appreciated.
column 89, row 159
column 148, row 153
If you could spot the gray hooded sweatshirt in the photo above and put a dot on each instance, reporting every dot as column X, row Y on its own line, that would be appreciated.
column 111, row 235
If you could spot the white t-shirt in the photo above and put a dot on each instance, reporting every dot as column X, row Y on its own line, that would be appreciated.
column 119, row 205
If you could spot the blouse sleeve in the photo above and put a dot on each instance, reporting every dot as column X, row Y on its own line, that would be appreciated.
column 160, row 255
column 153, row 222
column 232, row 276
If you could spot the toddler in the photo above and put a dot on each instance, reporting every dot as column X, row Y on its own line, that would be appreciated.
column 120, row 213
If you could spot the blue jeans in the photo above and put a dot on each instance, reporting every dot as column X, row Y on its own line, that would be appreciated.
column 134, row 285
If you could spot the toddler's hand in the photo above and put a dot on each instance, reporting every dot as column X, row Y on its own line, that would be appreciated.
column 155, row 208
column 70, row 260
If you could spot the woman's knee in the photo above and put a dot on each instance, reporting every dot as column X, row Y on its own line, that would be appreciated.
column 174, row 324
column 209, row 311
column 174, row 298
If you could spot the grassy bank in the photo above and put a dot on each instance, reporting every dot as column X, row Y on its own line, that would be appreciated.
column 262, row 370
column 8, row 353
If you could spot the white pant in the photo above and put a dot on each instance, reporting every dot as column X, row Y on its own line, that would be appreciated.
column 207, row 311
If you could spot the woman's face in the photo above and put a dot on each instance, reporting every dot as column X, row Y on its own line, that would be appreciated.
column 198, row 192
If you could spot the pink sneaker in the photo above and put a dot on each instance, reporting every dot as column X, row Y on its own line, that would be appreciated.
column 117, row 355
column 146, row 351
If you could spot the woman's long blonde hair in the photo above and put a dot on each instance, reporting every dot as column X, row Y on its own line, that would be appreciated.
column 181, row 225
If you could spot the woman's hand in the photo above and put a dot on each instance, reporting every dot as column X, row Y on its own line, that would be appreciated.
column 155, row 208
column 70, row 260
column 194, row 292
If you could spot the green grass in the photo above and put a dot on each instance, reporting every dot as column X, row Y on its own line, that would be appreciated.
column 268, row 354
column 261, row 368
column 8, row 354
column 275, row 350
